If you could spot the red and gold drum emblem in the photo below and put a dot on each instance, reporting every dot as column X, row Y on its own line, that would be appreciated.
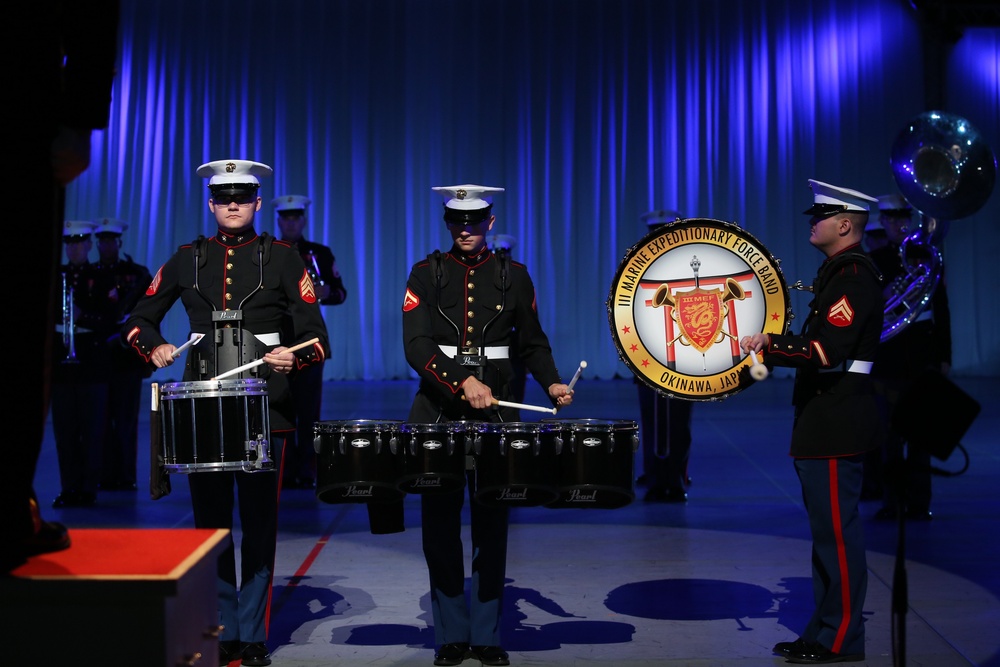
column 682, row 298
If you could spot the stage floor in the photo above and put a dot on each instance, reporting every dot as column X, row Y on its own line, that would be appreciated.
column 714, row 581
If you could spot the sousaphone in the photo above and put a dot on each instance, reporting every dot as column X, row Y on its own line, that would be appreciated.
column 946, row 172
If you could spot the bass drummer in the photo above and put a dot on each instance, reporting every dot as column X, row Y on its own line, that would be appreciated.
column 464, row 311
column 252, row 287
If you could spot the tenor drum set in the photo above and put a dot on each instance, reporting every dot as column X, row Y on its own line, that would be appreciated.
column 583, row 463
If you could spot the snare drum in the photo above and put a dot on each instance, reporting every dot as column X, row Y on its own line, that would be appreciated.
column 516, row 463
column 434, row 456
column 596, row 465
column 358, row 460
column 215, row 426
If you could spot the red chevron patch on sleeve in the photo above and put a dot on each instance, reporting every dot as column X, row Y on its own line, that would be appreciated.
column 155, row 285
column 410, row 301
column 841, row 314
column 306, row 289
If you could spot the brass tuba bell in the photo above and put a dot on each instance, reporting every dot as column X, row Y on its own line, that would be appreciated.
column 945, row 171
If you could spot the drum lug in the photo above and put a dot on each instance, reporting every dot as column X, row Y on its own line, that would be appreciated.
column 263, row 460
column 393, row 444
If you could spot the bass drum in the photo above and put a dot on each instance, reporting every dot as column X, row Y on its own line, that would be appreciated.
column 596, row 468
column 516, row 463
column 357, row 461
column 682, row 298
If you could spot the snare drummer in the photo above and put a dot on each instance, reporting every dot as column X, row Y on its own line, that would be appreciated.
column 266, row 281
column 464, row 311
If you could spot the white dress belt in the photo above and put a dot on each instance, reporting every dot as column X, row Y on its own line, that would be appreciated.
column 265, row 338
column 850, row 366
column 494, row 352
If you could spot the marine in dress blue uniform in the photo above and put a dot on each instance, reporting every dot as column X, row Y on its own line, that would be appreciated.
column 837, row 419
column 922, row 345
column 307, row 383
column 237, row 271
column 666, row 424
column 80, row 372
column 463, row 312
column 123, row 282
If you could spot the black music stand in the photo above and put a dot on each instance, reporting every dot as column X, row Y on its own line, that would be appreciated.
column 953, row 412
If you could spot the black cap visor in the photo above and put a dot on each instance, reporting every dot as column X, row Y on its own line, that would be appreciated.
column 454, row 216
column 825, row 210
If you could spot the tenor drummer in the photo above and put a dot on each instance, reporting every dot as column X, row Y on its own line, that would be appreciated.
column 242, row 284
column 464, row 311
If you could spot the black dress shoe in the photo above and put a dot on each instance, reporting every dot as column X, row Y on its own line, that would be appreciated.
column 814, row 653
column 256, row 655
column 452, row 654
column 660, row 495
column 229, row 650
column 784, row 648
column 50, row 536
column 75, row 499
column 491, row 655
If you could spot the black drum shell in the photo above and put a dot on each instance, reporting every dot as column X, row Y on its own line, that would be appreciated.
column 206, row 425
column 516, row 463
column 596, row 467
column 357, row 461
column 435, row 456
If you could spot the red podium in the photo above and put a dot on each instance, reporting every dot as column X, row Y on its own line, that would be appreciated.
column 116, row 597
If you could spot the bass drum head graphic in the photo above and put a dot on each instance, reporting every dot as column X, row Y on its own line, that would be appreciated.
column 682, row 298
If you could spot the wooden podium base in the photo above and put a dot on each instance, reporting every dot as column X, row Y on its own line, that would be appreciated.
column 116, row 597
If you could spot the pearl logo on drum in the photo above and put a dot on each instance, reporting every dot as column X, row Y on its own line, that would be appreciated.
column 361, row 442
column 431, row 444
column 519, row 444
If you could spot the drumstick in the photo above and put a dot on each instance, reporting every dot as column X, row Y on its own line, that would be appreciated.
column 258, row 362
column 536, row 408
column 191, row 341
column 576, row 376
column 758, row 371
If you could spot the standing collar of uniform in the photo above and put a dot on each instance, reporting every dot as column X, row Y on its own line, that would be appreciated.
column 233, row 240
column 849, row 249
column 471, row 260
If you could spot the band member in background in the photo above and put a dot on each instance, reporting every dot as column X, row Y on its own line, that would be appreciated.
column 666, row 424
column 307, row 384
column 463, row 312
column 80, row 373
column 924, row 344
column 123, row 282
column 264, row 281
column 836, row 419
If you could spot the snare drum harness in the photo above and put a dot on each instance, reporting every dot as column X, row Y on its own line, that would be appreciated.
column 241, row 345
column 465, row 356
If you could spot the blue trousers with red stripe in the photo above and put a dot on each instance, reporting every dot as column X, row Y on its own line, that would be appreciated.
column 831, row 489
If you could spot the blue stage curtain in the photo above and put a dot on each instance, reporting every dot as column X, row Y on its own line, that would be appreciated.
column 588, row 112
